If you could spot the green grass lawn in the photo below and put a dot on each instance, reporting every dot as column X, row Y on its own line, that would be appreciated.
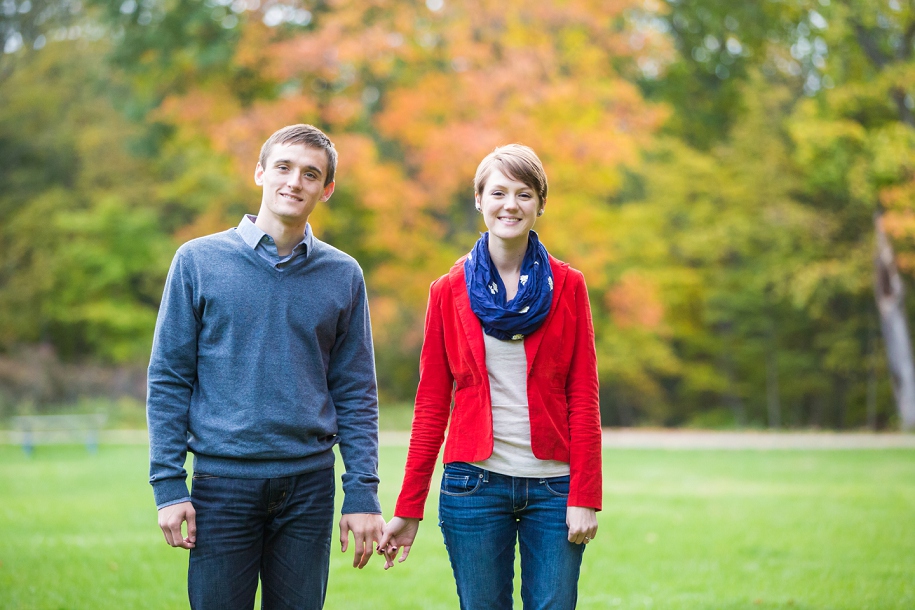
column 686, row 529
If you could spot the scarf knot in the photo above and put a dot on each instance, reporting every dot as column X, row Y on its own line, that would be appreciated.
column 512, row 320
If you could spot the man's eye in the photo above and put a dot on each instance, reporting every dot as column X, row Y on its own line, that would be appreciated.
column 310, row 175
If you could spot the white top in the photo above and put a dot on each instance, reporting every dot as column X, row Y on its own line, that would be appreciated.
column 506, row 364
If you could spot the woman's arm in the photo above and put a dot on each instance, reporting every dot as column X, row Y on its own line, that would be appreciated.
column 399, row 533
column 582, row 397
column 431, row 411
column 582, row 524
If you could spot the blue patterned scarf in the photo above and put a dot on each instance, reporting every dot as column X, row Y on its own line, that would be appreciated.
column 523, row 314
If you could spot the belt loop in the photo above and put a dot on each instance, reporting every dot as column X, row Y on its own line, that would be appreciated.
column 485, row 476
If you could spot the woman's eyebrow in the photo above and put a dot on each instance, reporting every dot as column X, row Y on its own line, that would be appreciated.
column 504, row 187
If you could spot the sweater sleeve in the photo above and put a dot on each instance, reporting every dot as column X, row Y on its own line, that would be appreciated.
column 430, row 415
column 171, row 379
column 353, row 388
column 583, row 399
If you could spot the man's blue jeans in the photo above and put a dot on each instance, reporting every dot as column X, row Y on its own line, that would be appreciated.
column 279, row 529
column 482, row 513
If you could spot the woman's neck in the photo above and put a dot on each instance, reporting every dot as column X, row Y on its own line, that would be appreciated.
column 507, row 257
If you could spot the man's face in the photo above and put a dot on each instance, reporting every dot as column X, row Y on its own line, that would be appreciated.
column 293, row 182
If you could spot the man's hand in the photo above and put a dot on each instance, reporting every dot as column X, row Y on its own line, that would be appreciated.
column 399, row 533
column 170, row 520
column 582, row 524
column 366, row 529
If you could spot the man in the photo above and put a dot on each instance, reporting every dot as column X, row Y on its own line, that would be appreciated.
column 262, row 361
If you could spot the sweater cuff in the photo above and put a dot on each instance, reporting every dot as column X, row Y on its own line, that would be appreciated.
column 361, row 502
column 170, row 491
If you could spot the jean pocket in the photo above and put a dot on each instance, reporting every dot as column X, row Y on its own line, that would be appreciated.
column 460, row 484
column 558, row 486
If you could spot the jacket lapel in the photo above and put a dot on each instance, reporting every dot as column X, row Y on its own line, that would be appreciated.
column 532, row 341
column 469, row 321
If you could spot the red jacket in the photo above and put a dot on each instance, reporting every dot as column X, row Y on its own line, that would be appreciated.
column 562, row 389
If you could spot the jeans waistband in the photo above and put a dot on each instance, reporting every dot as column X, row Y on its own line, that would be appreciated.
column 470, row 469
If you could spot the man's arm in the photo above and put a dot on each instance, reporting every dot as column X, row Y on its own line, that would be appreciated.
column 172, row 374
column 352, row 386
column 172, row 517
column 367, row 530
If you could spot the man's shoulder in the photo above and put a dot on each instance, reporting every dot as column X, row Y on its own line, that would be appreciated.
column 338, row 259
column 209, row 245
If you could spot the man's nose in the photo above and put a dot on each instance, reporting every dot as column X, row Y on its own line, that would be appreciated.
column 294, row 180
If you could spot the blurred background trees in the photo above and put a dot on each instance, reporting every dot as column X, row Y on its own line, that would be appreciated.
column 715, row 172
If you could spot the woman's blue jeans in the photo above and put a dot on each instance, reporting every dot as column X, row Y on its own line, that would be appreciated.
column 483, row 513
column 278, row 529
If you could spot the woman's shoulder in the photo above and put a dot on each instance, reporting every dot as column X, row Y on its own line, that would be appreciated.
column 564, row 268
column 443, row 282
column 455, row 273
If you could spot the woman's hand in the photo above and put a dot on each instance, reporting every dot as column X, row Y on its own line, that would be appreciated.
column 399, row 533
column 582, row 524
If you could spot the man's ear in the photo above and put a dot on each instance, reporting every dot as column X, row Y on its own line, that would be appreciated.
column 259, row 175
column 328, row 191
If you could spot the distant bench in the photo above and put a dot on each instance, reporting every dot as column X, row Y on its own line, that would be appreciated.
column 58, row 429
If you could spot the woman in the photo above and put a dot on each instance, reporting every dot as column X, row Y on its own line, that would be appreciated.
column 509, row 330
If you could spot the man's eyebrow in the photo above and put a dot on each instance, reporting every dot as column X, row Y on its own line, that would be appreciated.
column 313, row 168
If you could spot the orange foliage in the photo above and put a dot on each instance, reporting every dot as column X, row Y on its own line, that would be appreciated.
column 898, row 221
column 635, row 301
column 440, row 89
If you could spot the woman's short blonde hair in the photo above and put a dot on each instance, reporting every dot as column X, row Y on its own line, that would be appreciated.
column 516, row 161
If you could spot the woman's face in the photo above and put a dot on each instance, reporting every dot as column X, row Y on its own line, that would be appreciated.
column 509, row 207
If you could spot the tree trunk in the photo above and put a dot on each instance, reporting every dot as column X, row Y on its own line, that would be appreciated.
column 732, row 394
column 889, row 293
column 773, row 404
column 871, row 376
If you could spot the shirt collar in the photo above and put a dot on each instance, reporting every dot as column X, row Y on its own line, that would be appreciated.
column 252, row 235
column 249, row 231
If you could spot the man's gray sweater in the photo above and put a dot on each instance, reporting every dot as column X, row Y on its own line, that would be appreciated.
column 259, row 371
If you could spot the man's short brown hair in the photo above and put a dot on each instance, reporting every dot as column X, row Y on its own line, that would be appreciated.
column 307, row 135
column 516, row 161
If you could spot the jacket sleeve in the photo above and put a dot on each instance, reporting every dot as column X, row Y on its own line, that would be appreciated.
column 431, row 411
column 170, row 384
column 352, row 386
column 583, row 400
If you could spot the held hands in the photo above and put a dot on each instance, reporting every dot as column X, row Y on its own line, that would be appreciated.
column 582, row 523
column 366, row 529
column 399, row 533
column 170, row 520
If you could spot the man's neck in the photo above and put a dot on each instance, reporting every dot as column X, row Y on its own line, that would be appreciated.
column 285, row 236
